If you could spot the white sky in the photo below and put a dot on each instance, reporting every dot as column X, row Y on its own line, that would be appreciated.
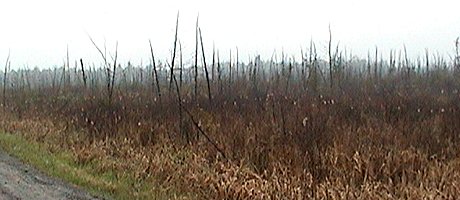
column 38, row 32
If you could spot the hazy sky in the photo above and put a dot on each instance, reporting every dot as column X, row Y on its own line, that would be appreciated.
column 38, row 32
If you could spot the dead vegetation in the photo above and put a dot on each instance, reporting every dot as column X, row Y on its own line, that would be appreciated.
column 268, row 130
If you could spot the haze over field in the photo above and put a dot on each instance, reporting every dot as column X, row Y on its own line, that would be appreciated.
column 37, row 32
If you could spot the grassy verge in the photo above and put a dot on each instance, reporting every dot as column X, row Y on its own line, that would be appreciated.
column 108, row 184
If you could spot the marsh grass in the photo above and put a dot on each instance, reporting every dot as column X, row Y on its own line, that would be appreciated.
column 95, row 174
column 369, row 130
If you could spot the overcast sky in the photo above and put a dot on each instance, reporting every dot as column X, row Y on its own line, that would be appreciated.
column 38, row 32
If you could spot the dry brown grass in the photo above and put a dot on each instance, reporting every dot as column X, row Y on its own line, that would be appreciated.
column 387, row 139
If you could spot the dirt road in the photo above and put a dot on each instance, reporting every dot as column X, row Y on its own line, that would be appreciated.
column 18, row 181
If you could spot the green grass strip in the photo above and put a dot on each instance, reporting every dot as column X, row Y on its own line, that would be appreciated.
column 62, row 165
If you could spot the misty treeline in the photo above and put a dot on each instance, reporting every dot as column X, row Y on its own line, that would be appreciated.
column 301, row 70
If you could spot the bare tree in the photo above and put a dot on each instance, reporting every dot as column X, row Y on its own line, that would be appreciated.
column 457, row 53
column 196, row 60
column 230, row 69
column 427, row 60
column 83, row 72
column 181, row 64
column 205, row 67
column 219, row 73
column 213, row 62
column 174, row 53
column 155, row 72
column 5, row 73
column 113, row 72
column 110, row 76
column 237, row 67
column 331, row 64
column 68, row 68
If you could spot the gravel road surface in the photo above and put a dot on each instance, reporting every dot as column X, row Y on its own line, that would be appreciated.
column 19, row 181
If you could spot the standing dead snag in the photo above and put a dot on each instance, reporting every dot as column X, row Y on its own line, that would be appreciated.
column 391, row 63
column 110, row 73
column 313, row 71
column 237, row 67
column 219, row 73
column 113, row 72
column 302, row 69
column 230, row 69
column 174, row 53
column 173, row 79
column 195, row 123
column 288, row 79
column 196, row 60
column 213, row 62
column 457, row 54
column 376, row 70
column 179, row 101
column 205, row 68
column 407, row 64
column 254, row 73
column 427, row 60
column 181, row 65
column 5, row 73
column 369, row 73
column 68, row 81
column 331, row 66
column 83, row 72
column 155, row 73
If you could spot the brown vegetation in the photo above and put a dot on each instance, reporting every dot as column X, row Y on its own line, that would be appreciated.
column 273, row 130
